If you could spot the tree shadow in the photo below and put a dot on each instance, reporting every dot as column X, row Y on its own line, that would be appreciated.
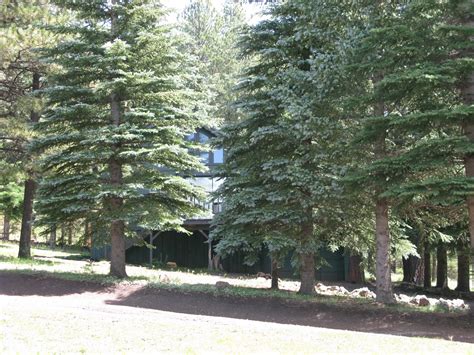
column 458, row 327
column 341, row 315
column 13, row 283
column 75, row 257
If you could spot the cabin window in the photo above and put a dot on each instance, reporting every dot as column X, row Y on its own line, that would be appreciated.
column 204, row 157
column 202, row 138
column 209, row 157
column 218, row 156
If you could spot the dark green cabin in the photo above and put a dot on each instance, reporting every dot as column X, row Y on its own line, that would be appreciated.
column 193, row 251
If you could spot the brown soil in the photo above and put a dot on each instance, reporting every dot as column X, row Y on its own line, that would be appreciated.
column 453, row 326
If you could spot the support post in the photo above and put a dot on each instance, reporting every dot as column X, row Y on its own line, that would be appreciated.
column 151, row 251
column 152, row 238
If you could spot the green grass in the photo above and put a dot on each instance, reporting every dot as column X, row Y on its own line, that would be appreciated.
column 86, row 323
column 73, row 249
column 29, row 261
column 59, row 326
column 104, row 280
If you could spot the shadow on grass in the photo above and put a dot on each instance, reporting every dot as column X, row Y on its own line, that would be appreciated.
column 321, row 311
column 76, row 257
column 245, row 303
column 82, row 256
column 29, row 283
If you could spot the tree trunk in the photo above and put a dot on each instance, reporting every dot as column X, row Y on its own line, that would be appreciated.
column 463, row 254
column 427, row 268
column 434, row 268
column 356, row 270
column 88, row 234
column 410, row 266
column 382, row 267
column 210, row 264
column 52, row 238
column 27, row 219
column 442, row 270
column 117, row 253
column 69, row 236
column 382, row 231
column 63, row 235
column 115, row 203
column 307, row 273
column 412, row 270
column 29, row 193
column 6, row 227
column 117, row 230
column 419, row 272
column 274, row 273
column 307, row 264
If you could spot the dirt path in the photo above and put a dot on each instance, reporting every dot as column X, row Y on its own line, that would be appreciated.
column 87, row 296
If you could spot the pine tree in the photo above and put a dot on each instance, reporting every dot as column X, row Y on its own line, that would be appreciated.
column 213, row 37
column 113, row 137
column 21, row 70
column 11, row 197
column 462, row 26
column 249, row 218
column 439, row 114
column 284, row 159
column 393, row 45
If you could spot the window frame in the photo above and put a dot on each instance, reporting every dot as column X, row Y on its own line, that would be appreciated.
column 196, row 138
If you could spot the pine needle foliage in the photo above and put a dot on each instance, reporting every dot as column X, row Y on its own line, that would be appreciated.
column 410, row 112
column 286, row 157
column 212, row 37
column 119, row 108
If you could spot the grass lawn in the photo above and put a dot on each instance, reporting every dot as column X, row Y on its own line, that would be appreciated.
column 88, row 322
column 57, row 328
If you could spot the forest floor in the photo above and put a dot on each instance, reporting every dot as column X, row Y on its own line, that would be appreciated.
column 49, row 304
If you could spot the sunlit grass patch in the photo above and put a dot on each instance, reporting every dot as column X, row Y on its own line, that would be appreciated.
column 29, row 261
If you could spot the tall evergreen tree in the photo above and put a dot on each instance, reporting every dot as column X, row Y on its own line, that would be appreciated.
column 284, row 159
column 11, row 198
column 462, row 26
column 213, row 38
column 390, row 56
column 436, row 114
column 113, row 138
column 20, row 76
column 250, row 218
